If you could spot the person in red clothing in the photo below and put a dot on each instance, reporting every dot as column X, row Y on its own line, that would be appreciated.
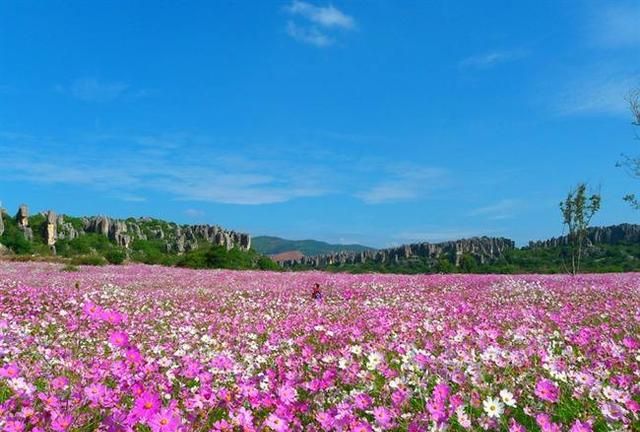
column 316, row 294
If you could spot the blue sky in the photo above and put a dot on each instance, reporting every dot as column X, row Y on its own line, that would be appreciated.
column 379, row 122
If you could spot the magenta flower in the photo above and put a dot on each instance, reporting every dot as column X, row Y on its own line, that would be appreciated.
column 166, row 420
column 326, row 420
column 95, row 392
column 287, row 394
column 61, row 422
column 59, row 383
column 9, row 371
column 276, row 423
column 133, row 355
column 362, row 401
column 146, row 405
column 514, row 426
column 13, row 426
column 547, row 390
column 384, row 417
column 119, row 339
column 361, row 426
column 546, row 425
column 579, row 426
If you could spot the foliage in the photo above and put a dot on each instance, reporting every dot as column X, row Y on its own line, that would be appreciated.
column 219, row 257
column 13, row 238
column 115, row 256
column 92, row 260
column 577, row 211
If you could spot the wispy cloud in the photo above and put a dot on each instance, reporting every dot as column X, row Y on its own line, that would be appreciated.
column 503, row 209
column 597, row 93
column 194, row 168
column 194, row 213
column 316, row 25
column 308, row 35
column 617, row 25
column 404, row 183
column 492, row 58
column 90, row 89
column 328, row 16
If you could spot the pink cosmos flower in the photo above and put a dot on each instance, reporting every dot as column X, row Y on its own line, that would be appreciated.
column 287, row 394
column 166, row 420
column 133, row 355
column 383, row 417
column 579, row 426
column 222, row 426
column 59, row 383
column 146, row 405
column 276, row 423
column 362, row 401
column 243, row 418
column 546, row 425
column 632, row 406
column 630, row 343
column 612, row 411
column 119, row 339
column 9, row 371
column 361, row 426
column 93, row 311
column 547, row 390
column 95, row 392
column 514, row 426
column 61, row 422
column 326, row 420
column 13, row 426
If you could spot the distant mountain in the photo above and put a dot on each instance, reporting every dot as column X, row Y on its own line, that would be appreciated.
column 269, row 245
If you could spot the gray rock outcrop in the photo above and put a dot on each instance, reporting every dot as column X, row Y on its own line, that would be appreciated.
column 1, row 222
column 484, row 249
column 22, row 217
column 177, row 238
column 614, row 234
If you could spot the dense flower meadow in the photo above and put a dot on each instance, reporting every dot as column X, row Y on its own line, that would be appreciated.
column 143, row 348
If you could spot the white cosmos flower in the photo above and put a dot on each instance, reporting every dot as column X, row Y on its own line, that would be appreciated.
column 493, row 407
column 507, row 398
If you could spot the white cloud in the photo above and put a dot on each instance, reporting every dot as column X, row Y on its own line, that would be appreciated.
column 316, row 25
column 404, row 183
column 194, row 213
column 196, row 175
column 598, row 94
column 617, row 25
column 503, row 209
column 91, row 89
column 309, row 35
column 489, row 59
column 328, row 16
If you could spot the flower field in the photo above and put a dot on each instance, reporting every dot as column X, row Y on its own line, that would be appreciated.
column 143, row 348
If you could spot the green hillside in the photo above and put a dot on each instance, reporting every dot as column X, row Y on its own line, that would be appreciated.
column 269, row 245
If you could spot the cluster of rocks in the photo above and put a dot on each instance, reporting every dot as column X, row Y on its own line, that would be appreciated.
column 484, row 249
column 613, row 234
column 177, row 238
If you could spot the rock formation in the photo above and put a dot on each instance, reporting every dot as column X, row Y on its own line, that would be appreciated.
column 1, row 222
column 51, row 230
column 22, row 217
column 614, row 234
column 484, row 249
column 177, row 238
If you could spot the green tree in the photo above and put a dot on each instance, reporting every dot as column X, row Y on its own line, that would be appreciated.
column 577, row 211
